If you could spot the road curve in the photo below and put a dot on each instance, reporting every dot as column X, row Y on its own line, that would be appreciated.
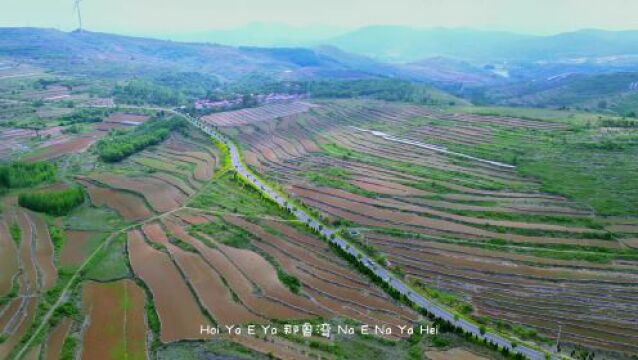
column 332, row 236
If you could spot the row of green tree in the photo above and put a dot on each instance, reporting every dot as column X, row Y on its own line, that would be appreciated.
column 142, row 91
column 381, row 89
column 119, row 145
column 84, row 116
column 53, row 202
column 22, row 174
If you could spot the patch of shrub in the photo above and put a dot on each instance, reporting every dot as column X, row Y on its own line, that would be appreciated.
column 119, row 146
column 53, row 202
column 84, row 116
column 22, row 174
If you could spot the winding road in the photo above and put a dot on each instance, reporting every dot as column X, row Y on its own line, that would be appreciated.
column 332, row 236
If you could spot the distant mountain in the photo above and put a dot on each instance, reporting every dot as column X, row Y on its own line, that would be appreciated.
column 261, row 35
column 448, row 71
column 578, row 45
column 101, row 54
column 405, row 44
column 617, row 92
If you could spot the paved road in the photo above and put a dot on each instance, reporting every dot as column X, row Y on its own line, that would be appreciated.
column 332, row 236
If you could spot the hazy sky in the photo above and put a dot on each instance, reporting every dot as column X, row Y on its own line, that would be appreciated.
column 162, row 16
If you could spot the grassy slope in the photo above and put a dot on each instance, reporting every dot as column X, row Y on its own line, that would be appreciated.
column 586, row 162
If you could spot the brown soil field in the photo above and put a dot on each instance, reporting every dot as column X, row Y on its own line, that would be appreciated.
column 453, row 354
column 8, row 311
column 155, row 233
column 56, row 338
column 73, row 145
column 384, row 187
column 44, row 251
column 456, row 249
column 264, row 275
column 19, row 327
column 510, row 268
column 305, row 256
column 178, row 183
column 31, row 282
column 178, row 311
column 8, row 259
column 129, row 206
column 299, row 253
column 237, row 281
column 160, row 195
column 163, row 163
column 254, row 115
column 375, row 216
column 333, row 288
column 77, row 247
column 191, row 218
column 117, row 328
column 33, row 353
column 521, row 287
column 211, row 290
column 204, row 164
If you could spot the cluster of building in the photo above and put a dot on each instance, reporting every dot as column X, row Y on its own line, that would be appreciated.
column 203, row 104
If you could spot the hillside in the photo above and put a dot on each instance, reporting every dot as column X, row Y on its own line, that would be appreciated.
column 110, row 55
column 617, row 92
column 406, row 44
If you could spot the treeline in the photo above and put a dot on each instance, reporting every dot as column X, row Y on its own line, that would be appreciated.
column 170, row 89
column 53, row 202
column 381, row 89
column 21, row 174
column 190, row 84
column 117, row 146
column 623, row 123
column 141, row 92
column 84, row 116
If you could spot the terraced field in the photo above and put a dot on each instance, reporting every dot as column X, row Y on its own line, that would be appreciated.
column 115, row 313
column 37, row 265
column 154, row 181
column 170, row 239
column 463, row 227
column 30, row 273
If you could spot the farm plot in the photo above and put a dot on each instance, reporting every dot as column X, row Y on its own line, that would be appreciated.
column 19, row 313
column 78, row 245
column 450, row 223
column 66, row 145
column 327, row 281
column 129, row 206
column 207, row 283
column 161, row 196
column 247, row 292
column 115, row 314
column 9, row 265
column 334, row 289
column 258, row 114
column 14, row 142
column 56, row 338
column 157, row 180
column 43, row 251
column 178, row 311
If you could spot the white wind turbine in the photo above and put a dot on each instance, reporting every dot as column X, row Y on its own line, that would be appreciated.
column 76, row 7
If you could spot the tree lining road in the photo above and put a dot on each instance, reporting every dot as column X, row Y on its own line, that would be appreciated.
column 332, row 236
